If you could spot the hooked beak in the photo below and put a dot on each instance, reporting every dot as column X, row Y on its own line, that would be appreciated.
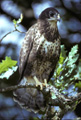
column 58, row 17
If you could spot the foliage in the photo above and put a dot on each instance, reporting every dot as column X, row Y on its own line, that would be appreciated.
column 7, row 67
column 67, row 71
column 17, row 22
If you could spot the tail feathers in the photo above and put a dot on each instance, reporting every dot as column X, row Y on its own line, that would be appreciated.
column 25, row 98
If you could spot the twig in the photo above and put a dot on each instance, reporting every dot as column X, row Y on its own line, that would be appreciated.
column 10, row 33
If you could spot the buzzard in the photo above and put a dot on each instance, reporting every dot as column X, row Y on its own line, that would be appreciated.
column 38, row 57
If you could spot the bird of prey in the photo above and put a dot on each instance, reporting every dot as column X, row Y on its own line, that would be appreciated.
column 38, row 57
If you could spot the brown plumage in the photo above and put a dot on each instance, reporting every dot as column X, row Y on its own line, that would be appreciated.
column 38, row 57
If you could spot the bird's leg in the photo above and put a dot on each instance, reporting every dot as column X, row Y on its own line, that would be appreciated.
column 45, row 83
column 38, row 83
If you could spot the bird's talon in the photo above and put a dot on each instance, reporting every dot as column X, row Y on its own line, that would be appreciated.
column 38, row 83
column 45, row 83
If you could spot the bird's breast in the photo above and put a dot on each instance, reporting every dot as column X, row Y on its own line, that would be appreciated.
column 47, row 48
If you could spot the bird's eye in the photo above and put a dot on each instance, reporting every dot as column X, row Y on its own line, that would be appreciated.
column 51, row 14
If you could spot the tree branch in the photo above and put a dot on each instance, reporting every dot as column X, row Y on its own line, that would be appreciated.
column 12, row 88
column 65, row 103
column 10, row 33
column 59, row 97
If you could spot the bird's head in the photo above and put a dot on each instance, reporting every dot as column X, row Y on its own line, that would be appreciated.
column 51, row 14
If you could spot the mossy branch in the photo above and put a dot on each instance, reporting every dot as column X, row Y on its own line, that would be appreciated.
column 65, row 103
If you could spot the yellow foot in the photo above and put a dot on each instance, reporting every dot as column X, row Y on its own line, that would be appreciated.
column 38, row 83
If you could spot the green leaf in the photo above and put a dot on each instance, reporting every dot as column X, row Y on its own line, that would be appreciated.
column 78, row 71
column 73, row 51
column 7, row 63
column 20, row 19
column 73, row 56
column 53, row 96
column 16, row 22
column 62, row 54
column 78, row 84
column 8, row 73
